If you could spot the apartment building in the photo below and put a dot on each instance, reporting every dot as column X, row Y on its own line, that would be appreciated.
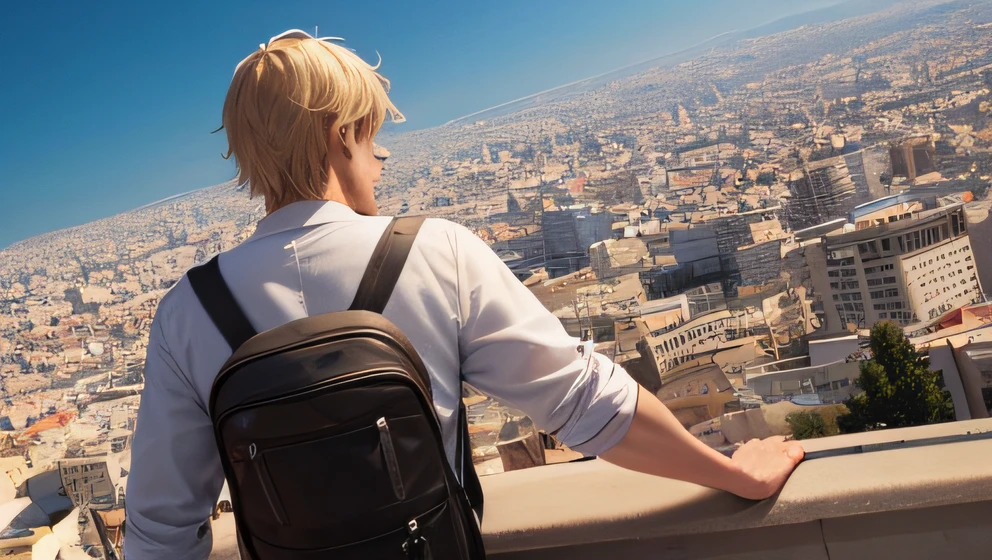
column 910, row 262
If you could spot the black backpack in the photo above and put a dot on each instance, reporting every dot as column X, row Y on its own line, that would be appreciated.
column 327, row 430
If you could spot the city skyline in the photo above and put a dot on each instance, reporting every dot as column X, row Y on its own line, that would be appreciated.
column 88, row 143
column 760, row 230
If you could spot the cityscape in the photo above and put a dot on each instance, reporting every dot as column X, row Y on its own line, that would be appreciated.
column 728, row 225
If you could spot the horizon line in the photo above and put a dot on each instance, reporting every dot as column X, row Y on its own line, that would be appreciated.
column 579, row 81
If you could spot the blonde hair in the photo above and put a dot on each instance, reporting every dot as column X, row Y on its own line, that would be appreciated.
column 281, row 102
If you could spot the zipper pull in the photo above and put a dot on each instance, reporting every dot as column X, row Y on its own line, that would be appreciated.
column 390, row 459
column 416, row 547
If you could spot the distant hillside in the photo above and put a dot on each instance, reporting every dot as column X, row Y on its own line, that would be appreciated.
column 852, row 8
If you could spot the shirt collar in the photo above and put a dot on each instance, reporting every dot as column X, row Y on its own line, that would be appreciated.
column 302, row 214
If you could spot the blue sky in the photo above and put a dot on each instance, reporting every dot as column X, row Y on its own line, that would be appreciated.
column 109, row 105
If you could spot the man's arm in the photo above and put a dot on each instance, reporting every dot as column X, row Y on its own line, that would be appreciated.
column 517, row 351
column 656, row 443
column 514, row 349
column 175, row 474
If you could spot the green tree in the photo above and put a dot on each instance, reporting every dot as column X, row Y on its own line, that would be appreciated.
column 899, row 388
column 807, row 425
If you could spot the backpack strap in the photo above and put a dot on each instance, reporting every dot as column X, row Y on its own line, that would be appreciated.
column 386, row 264
column 373, row 293
column 217, row 299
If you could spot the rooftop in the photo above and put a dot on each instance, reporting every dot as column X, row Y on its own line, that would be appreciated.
column 837, row 240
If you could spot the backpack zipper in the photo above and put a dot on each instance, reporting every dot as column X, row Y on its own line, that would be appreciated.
column 416, row 546
column 389, row 456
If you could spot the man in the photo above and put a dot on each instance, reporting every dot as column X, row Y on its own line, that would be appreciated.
column 300, row 117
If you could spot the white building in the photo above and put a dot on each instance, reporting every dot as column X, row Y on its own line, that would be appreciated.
column 902, row 263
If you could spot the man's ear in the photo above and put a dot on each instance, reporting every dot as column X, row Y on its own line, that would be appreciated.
column 341, row 137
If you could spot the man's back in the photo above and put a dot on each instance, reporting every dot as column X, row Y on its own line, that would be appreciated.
column 286, row 272
column 458, row 304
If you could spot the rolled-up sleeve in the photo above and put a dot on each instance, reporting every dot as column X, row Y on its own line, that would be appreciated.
column 176, row 474
column 514, row 349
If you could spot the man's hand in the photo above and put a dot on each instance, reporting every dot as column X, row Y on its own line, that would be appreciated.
column 764, row 466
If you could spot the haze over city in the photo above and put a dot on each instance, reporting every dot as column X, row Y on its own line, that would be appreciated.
column 114, row 108
column 750, row 209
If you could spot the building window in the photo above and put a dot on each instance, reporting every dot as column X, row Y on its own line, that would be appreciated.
column 882, row 315
column 886, row 244
column 889, row 280
column 892, row 292
column 957, row 224
column 847, row 261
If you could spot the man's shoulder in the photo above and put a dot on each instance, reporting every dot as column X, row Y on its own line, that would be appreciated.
column 176, row 297
column 441, row 233
column 441, row 224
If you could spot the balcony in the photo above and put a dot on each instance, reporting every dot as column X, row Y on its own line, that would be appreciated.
column 922, row 502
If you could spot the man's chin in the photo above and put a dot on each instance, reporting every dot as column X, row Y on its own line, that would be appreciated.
column 373, row 211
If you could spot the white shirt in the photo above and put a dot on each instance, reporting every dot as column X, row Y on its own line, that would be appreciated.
column 460, row 306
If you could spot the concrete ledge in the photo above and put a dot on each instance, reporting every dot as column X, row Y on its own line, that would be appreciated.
column 593, row 502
